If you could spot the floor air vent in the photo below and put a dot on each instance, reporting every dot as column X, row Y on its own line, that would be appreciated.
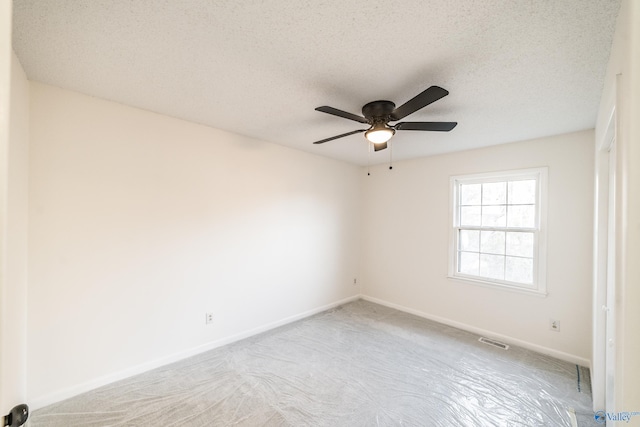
column 494, row 343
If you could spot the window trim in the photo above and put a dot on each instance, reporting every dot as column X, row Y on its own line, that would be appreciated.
column 539, row 286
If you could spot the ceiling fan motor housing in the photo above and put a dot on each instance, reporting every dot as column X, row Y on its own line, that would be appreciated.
column 378, row 111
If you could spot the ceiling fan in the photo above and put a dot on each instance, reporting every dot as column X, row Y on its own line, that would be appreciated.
column 378, row 114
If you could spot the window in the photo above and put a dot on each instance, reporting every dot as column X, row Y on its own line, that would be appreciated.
column 499, row 229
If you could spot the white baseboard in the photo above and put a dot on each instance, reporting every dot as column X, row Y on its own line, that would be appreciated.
column 483, row 332
column 57, row 396
column 42, row 401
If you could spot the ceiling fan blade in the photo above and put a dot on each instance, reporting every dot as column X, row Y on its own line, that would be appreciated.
column 322, row 141
column 378, row 147
column 340, row 113
column 419, row 101
column 432, row 126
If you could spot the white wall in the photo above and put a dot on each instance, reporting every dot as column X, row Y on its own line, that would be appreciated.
column 14, row 143
column 406, row 241
column 141, row 223
column 622, row 91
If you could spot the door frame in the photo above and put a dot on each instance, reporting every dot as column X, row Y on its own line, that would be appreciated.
column 603, row 357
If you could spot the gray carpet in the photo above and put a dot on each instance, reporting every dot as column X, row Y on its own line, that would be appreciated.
column 358, row 365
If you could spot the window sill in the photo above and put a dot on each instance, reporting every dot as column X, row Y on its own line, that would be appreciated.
column 500, row 286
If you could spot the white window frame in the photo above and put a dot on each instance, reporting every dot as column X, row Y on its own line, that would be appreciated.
column 539, row 286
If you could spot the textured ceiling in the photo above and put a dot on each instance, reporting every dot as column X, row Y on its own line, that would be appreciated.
column 515, row 70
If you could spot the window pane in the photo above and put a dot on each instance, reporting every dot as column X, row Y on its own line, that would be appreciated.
column 520, row 244
column 470, row 215
column 522, row 192
column 470, row 194
column 497, row 227
column 494, row 193
column 521, row 216
column 492, row 242
column 469, row 263
column 470, row 240
column 492, row 266
column 519, row 270
column 494, row 216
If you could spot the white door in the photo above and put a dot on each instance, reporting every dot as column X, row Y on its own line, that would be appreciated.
column 610, row 305
column 12, row 237
column 5, row 84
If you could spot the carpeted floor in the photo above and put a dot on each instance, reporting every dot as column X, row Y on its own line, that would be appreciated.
column 358, row 365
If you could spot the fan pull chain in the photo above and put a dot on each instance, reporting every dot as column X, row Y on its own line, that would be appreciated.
column 390, row 155
column 369, row 158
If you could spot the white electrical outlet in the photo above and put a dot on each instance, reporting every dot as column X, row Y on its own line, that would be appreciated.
column 208, row 318
column 554, row 325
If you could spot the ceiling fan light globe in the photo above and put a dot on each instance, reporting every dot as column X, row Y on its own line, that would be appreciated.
column 379, row 135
